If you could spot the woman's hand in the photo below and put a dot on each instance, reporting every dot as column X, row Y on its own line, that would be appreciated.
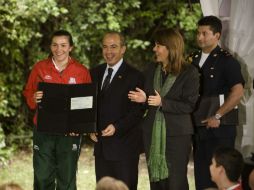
column 138, row 96
column 38, row 96
column 154, row 100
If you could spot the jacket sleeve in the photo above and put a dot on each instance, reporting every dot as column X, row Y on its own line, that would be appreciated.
column 31, row 88
column 86, row 76
column 134, row 112
column 186, row 100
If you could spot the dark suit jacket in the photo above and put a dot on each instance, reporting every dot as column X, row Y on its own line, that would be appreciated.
column 115, row 108
column 177, row 104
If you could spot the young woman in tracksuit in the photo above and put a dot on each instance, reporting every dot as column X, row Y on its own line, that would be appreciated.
column 55, row 156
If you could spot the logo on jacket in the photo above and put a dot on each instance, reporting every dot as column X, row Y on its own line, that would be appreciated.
column 36, row 147
column 72, row 80
column 74, row 147
column 47, row 77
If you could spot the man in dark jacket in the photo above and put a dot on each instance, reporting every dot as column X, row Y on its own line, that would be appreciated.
column 118, row 142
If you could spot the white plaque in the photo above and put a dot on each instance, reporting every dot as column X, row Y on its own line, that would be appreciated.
column 78, row 103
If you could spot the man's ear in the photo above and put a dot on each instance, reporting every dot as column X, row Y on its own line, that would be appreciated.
column 123, row 49
column 217, row 35
column 222, row 170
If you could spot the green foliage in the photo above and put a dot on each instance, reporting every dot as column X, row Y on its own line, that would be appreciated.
column 26, row 26
column 137, row 20
column 185, row 18
column 88, row 20
column 4, row 151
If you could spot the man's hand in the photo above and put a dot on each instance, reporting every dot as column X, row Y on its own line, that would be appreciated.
column 93, row 136
column 109, row 131
column 212, row 122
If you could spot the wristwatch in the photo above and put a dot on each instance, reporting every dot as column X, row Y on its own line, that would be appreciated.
column 217, row 116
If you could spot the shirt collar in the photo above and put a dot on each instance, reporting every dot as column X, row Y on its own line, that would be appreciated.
column 233, row 187
column 54, row 63
column 116, row 66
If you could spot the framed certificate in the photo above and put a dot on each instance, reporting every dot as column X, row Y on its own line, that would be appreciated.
column 67, row 108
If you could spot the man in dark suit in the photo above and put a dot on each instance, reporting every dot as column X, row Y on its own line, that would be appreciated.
column 118, row 141
column 220, row 77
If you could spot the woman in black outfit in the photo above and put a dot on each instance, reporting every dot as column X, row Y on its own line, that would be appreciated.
column 170, row 93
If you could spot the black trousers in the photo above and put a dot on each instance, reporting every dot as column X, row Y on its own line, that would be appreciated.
column 125, row 170
column 203, row 152
column 178, row 150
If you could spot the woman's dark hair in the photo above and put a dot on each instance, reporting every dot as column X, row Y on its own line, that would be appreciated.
column 63, row 33
column 173, row 41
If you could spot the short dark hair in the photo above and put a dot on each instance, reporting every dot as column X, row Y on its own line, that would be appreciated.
column 232, row 161
column 63, row 33
column 122, row 38
column 213, row 22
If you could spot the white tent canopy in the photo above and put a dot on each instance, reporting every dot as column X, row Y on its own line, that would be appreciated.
column 237, row 36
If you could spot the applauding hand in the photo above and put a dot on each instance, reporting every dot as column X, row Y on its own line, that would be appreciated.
column 154, row 100
column 138, row 96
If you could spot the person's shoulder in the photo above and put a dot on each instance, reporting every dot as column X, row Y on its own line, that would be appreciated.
column 132, row 69
column 225, row 57
column 132, row 73
column 76, row 63
column 189, row 69
column 42, row 63
column 223, row 53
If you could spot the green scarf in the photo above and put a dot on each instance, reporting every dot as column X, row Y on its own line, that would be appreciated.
column 157, row 163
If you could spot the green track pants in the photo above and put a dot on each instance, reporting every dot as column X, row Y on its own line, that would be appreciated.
column 55, row 160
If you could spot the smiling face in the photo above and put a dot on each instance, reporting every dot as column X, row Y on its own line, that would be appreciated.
column 161, row 53
column 112, row 49
column 60, row 48
column 206, row 39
